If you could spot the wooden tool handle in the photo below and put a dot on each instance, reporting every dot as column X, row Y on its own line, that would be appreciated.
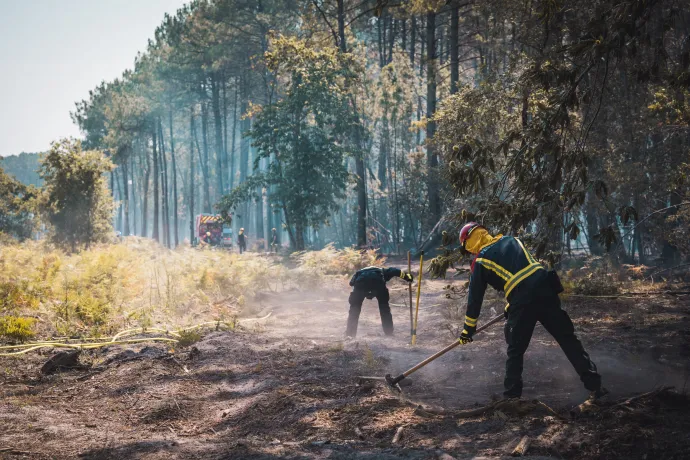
column 449, row 347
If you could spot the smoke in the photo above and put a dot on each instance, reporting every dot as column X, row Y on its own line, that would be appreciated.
column 468, row 374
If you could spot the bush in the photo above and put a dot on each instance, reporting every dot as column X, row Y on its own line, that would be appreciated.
column 189, row 337
column 76, row 200
column 596, row 283
column 15, row 295
column 16, row 329
column 331, row 261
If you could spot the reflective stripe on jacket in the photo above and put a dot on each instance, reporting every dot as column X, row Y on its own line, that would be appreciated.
column 504, row 265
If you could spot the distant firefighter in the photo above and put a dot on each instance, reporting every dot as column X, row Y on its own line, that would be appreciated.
column 274, row 241
column 368, row 283
column 242, row 241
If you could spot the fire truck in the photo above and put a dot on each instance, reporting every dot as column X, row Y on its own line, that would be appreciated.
column 220, row 230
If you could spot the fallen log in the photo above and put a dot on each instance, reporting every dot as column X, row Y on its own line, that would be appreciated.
column 521, row 448
column 398, row 435
column 644, row 395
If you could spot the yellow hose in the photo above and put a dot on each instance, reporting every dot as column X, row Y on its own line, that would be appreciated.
column 115, row 340
column 88, row 346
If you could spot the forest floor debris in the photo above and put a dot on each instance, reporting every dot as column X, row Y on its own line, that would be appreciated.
column 289, row 389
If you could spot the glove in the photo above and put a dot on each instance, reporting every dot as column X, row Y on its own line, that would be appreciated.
column 407, row 277
column 465, row 336
column 505, row 311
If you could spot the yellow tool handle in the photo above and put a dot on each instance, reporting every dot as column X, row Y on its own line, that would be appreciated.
column 409, row 288
column 419, row 292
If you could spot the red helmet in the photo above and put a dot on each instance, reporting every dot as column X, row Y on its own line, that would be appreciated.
column 466, row 230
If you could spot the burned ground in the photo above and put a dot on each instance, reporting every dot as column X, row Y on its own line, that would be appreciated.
column 286, row 387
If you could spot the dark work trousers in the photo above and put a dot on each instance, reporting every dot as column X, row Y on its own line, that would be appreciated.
column 357, row 298
column 243, row 247
column 546, row 309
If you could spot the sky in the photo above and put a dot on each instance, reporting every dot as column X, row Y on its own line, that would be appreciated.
column 52, row 52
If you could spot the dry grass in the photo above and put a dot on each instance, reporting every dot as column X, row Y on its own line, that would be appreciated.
column 140, row 284
column 331, row 261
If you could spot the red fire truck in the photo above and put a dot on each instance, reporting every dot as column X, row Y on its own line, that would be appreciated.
column 220, row 230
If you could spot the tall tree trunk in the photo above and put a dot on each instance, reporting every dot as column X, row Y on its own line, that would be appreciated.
column 441, row 50
column 382, row 46
column 391, row 39
column 669, row 252
column 133, row 199
column 413, row 40
column 403, row 34
column 164, row 186
column 218, row 124
column 174, row 180
column 145, row 196
column 192, row 186
column 156, row 176
column 432, row 158
column 125, row 197
column 192, row 177
column 225, row 136
column 205, row 165
column 288, row 225
column 360, row 172
column 118, row 219
column 383, row 152
column 453, row 48
column 231, row 179
column 245, row 126
column 266, row 218
column 299, row 235
column 259, row 213
column 422, row 48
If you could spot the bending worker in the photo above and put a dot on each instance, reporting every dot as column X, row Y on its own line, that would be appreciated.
column 368, row 283
column 532, row 293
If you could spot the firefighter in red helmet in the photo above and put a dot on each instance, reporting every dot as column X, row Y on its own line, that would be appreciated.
column 532, row 294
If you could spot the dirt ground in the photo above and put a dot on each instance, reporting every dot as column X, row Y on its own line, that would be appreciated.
column 286, row 387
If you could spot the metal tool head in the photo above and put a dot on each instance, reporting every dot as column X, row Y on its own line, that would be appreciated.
column 393, row 383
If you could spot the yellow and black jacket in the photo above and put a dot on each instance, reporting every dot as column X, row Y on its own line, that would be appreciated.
column 507, row 267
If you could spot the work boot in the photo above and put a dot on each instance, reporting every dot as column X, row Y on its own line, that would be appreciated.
column 598, row 394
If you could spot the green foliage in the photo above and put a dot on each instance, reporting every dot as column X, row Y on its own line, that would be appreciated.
column 596, row 283
column 189, row 337
column 24, row 167
column 607, row 236
column 16, row 295
column 17, row 202
column 16, row 329
column 302, row 134
column 76, row 200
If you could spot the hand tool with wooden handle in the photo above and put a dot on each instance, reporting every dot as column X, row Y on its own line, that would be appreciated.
column 393, row 382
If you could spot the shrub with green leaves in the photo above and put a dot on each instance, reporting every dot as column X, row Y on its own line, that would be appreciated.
column 76, row 200
column 16, row 329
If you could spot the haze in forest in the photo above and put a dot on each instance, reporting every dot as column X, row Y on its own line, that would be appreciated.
column 53, row 53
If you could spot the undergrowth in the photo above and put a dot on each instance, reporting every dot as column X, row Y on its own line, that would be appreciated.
column 595, row 283
column 332, row 261
column 138, row 283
